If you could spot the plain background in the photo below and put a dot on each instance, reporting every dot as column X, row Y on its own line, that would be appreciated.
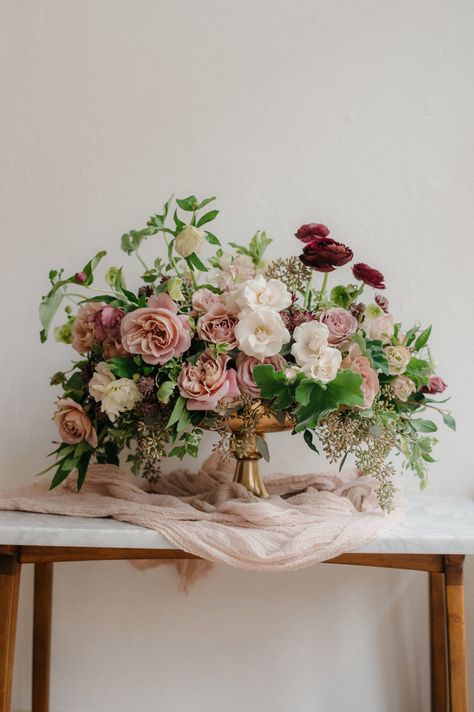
column 355, row 113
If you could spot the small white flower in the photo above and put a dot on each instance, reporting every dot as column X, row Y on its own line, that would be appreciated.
column 257, row 293
column 115, row 394
column 189, row 240
column 325, row 367
column 261, row 333
column 292, row 371
column 398, row 359
column 311, row 341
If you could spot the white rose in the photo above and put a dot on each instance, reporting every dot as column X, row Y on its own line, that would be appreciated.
column 257, row 293
column 380, row 327
column 325, row 367
column 398, row 358
column 403, row 387
column 189, row 240
column 115, row 394
column 261, row 333
column 311, row 341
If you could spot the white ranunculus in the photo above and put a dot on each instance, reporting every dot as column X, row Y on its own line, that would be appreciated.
column 260, row 333
column 325, row 367
column 115, row 394
column 189, row 240
column 398, row 358
column 257, row 293
column 311, row 341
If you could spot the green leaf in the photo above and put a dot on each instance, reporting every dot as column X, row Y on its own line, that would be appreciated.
column 449, row 421
column 345, row 389
column 344, row 296
column 262, row 447
column 422, row 339
column 419, row 370
column 184, row 420
column 411, row 334
column 177, row 411
column 308, row 438
column 205, row 202
column 165, row 391
column 122, row 367
column 304, row 390
column 195, row 263
column 188, row 204
column 61, row 473
column 273, row 385
column 82, row 466
column 208, row 217
column 212, row 239
column 423, row 426
column 47, row 311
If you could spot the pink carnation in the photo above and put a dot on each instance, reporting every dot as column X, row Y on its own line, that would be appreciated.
column 157, row 333
column 204, row 383
column 245, row 365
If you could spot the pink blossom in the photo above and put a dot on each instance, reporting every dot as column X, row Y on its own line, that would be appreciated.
column 73, row 423
column 157, row 333
column 204, row 383
column 370, row 384
column 203, row 299
column 435, row 385
column 341, row 324
column 245, row 365
column 84, row 330
column 217, row 326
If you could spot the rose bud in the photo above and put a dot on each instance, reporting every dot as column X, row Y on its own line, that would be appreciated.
column 435, row 385
column 382, row 302
column 80, row 277
column 325, row 254
column 308, row 233
column 368, row 275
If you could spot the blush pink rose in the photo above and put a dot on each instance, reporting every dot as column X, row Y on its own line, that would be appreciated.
column 73, row 423
column 370, row 384
column 217, row 326
column 341, row 324
column 380, row 328
column 245, row 365
column 84, row 330
column 157, row 333
column 203, row 299
column 204, row 383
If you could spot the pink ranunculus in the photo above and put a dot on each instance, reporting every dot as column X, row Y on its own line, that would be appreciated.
column 341, row 324
column 217, row 326
column 370, row 384
column 204, row 383
column 157, row 333
column 110, row 318
column 203, row 299
column 380, row 328
column 85, row 334
column 435, row 385
column 73, row 423
column 245, row 365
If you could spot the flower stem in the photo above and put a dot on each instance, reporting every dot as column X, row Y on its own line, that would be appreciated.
column 308, row 294
column 142, row 262
column 322, row 291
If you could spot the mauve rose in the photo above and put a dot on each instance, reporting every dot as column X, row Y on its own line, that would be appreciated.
column 246, row 364
column 340, row 323
column 203, row 299
column 73, row 423
column 435, row 385
column 325, row 254
column 370, row 384
column 309, row 232
column 110, row 317
column 84, row 329
column 368, row 275
column 217, row 326
column 156, row 333
column 204, row 383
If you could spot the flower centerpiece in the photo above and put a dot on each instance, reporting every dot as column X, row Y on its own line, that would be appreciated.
column 234, row 343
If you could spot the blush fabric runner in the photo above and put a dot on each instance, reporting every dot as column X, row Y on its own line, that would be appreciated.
column 305, row 520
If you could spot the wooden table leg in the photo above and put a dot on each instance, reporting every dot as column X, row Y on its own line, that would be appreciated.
column 42, row 614
column 439, row 672
column 457, row 673
column 9, row 588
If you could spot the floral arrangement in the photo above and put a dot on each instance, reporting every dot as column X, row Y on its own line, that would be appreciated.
column 205, row 338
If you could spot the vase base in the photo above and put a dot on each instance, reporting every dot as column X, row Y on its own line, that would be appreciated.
column 247, row 474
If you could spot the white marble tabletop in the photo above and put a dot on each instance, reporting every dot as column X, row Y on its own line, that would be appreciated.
column 433, row 525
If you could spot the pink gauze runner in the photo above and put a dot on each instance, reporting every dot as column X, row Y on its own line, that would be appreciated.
column 306, row 519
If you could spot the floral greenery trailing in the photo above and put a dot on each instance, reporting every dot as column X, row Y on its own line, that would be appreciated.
column 202, row 340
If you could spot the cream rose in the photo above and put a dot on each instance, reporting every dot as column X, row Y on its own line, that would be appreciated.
column 398, row 358
column 403, row 387
column 380, row 327
column 257, row 293
column 116, row 395
column 73, row 423
column 189, row 240
column 325, row 367
column 311, row 341
column 261, row 333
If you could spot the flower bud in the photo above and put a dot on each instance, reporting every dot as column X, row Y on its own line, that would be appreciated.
column 189, row 240
column 80, row 277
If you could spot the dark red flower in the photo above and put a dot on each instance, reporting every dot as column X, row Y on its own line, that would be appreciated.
column 368, row 275
column 308, row 233
column 435, row 385
column 325, row 254
column 382, row 302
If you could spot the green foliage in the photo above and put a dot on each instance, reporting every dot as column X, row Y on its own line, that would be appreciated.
column 419, row 370
column 188, row 444
column 274, row 386
column 257, row 246
column 422, row 339
column 262, row 447
column 308, row 438
column 449, row 421
column 165, row 391
column 122, row 367
column 373, row 349
column 344, row 296
column 319, row 400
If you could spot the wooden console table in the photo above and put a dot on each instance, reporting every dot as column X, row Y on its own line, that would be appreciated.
column 437, row 534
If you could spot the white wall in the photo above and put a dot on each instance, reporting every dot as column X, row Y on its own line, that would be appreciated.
column 353, row 113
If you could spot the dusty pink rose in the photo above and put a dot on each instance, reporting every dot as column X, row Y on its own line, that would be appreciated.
column 73, row 423
column 110, row 318
column 217, row 326
column 370, row 384
column 203, row 299
column 435, row 385
column 204, row 383
column 84, row 331
column 380, row 328
column 340, row 323
column 245, row 365
column 157, row 332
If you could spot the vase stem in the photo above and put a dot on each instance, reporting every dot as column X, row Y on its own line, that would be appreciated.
column 247, row 472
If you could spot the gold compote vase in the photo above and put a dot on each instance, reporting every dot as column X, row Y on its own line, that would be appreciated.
column 244, row 445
